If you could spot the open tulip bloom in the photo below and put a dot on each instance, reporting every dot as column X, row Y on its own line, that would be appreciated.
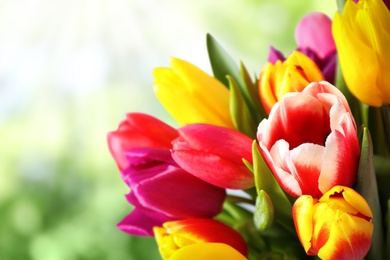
column 292, row 165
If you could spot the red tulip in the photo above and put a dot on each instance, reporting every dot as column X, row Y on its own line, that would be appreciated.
column 310, row 142
column 139, row 130
column 177, row 235
column 336, row 226
column 214, row 154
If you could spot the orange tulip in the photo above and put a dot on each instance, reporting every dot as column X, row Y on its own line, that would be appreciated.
column 293, row 74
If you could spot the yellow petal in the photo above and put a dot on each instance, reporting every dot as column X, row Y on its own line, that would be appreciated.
column 207, row 251
column 350, row 238
column 302, row 212
column 191, row 95
column 165, row 242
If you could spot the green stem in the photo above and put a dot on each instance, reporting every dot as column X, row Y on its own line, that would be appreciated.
column 238, row 199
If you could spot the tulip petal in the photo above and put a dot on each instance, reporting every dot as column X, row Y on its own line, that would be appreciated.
column 139, row 224
column 184, row 195
column 281, row 166
column 314, row 31
column 351, row 63
column 342, row 152
column 138, row 130
column 350, row 238
column 201, row 230
column 230, row 176
column 207, row 251
column 191, row 95
column 303, row 220
column 308, row 160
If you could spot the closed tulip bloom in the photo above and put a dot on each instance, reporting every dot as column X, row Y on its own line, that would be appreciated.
column 336, row 226
column 175, row 236
column 293, row 74
column 310, row 141
column 215, row 154
column 191, row 95
column 161, row 191
column 139, row 130
column 362, row 36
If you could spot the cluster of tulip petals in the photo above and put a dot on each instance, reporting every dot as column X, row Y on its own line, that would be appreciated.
column 271, row 168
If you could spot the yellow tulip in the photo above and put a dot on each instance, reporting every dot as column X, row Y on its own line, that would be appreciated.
column 177, row 239
column 192, row 96
column 336, row 226
column 362, row 36
column 278, row 79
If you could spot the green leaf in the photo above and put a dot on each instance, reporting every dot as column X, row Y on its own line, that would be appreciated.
column 265, row 180
column 252, row 92
column 221, row 62
column 264, row 211
column 366, row 185
column 240, row 113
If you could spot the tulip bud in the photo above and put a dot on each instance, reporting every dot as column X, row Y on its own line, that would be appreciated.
column 192, row 96
column 293, row 74
column 336, row 226
column 215, row 154
column 175, row 236
column 362, row 36
column 310, row 142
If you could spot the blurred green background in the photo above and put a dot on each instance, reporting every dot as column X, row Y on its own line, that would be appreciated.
column 69, row 72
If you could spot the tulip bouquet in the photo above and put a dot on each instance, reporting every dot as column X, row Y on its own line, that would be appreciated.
column 291, row 164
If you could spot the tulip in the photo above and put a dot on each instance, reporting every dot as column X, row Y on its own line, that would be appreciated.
column 214, row 154
column 161, row 191
column 192, row 96
column 139, row 130
column 177, row 237
column 293, row 74
column 362, row 36
column 309, row 141
column 336, row 226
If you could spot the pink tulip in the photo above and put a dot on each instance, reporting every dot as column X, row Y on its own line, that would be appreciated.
column 214, row 154
column 314, row 32
column 310, row 142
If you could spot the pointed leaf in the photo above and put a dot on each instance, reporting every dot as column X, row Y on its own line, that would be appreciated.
column 221, row 62
column 241, row 116
column 366, row 185
column 252, row 92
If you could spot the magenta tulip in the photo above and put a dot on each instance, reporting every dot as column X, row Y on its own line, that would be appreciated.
column 160, row 190
column 215, row 154
column 310, row 142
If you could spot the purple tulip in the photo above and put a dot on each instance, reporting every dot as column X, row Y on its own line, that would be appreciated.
column 162, row 191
